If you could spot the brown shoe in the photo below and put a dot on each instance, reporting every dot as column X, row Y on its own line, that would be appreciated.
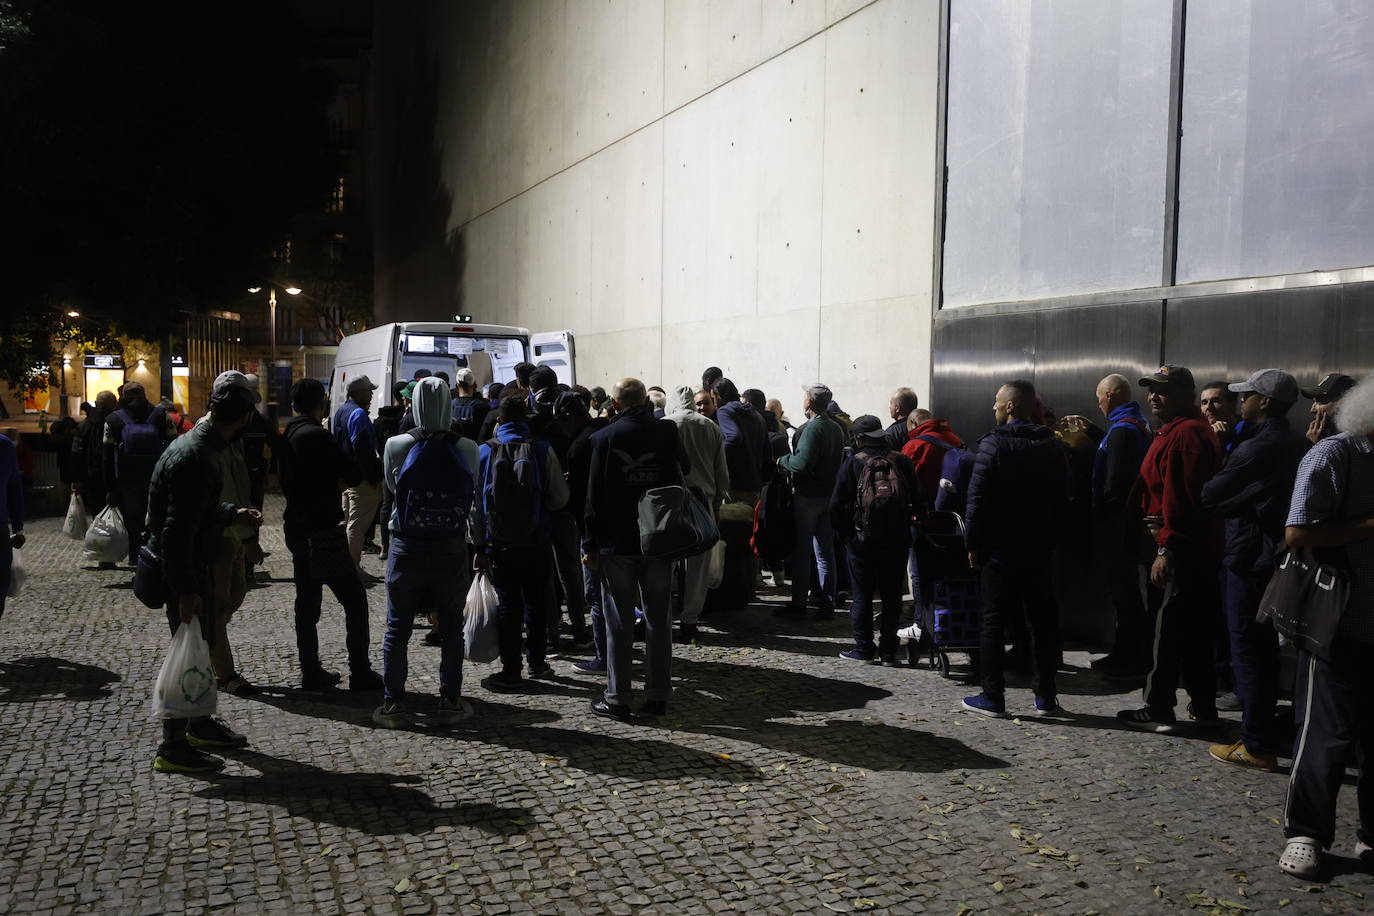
column 1237, row 754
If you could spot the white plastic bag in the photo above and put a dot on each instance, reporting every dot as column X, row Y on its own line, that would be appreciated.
column 715, row 568
column 185, row 687
column 481, row 624
column 107, row 540
column 78, row 521
column 17, row 575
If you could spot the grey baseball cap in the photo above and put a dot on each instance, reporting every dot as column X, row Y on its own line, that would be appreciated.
column 1272, row 383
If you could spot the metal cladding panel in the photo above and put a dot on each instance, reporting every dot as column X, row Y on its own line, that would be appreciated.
column 1064, row 352
column 1308, row 332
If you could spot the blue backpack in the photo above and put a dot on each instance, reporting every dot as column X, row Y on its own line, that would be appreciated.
column 433, row 489
column 513, row 493
column 464, row 414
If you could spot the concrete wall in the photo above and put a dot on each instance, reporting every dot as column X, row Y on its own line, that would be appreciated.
column 745, row 183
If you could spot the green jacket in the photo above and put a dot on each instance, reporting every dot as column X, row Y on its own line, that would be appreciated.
column 816, row 462
column 186, row 518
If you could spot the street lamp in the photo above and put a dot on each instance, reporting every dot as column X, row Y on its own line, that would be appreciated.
column 272, row 323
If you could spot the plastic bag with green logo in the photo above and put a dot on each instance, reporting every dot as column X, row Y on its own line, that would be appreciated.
column 186, row 685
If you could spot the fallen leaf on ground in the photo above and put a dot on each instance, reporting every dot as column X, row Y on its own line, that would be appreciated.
column 403, row 885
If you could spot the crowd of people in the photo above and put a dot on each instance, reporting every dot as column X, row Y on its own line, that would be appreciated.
column 538, row 486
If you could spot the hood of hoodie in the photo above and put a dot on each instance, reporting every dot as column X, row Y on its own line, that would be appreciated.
column 681, row 399
column 429, row 405
column 938, row 427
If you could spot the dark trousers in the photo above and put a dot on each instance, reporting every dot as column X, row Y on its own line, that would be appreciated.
column 174, row 730
column 596, row 619
column 6, row 564
column 880, row 573
column 1254, row 662
column 1334, row 716
column 567, row 560
column 1024, row 594
column 348, row 591
column 133, row 508
column 1183, row 641
column 1122, row 570
column 424, row 573
column 521, row 577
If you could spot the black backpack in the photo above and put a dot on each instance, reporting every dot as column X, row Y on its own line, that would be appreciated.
column 775, row 527
column 513, row 494
column 882, row 505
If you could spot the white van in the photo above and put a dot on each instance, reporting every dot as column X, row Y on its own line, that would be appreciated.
column 393, row 352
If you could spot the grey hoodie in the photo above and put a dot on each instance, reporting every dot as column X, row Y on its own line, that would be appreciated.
column 704, row 444
column 430, row 407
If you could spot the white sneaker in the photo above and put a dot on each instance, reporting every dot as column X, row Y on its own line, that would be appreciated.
column 912, row 632
column 451, row 712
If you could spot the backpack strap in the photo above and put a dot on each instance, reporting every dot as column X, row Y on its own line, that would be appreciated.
column 933, row 440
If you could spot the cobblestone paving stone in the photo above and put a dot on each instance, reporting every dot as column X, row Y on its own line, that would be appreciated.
column 784, row 779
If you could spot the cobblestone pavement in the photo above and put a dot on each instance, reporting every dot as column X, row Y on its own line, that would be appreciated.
column 784, row 779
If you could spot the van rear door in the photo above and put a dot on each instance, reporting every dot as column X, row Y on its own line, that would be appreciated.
column 555, row 350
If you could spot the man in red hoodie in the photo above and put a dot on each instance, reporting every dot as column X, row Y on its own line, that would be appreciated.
column 927, row 444
column 1184, row 455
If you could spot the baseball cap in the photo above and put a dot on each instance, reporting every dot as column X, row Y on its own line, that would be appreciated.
column 1272, row 383
column 1333, row 386
column 230, row 387
column 1176, row 376
column 360, row 383
column 868, row 425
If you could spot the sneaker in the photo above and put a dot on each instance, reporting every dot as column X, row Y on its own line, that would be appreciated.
column 213, row 732
column 1302, row 858
column 1049, row 706
column 1228, row 702
column 654, row 708
column 854, row 655
column 391, row 714
column 503, row 681
column 182, row 758
column 451, row 712
column 592, row 666
column 687, row 633
column 432, row 638
column 235, row 685
column 912, row 632
column 542, row 670
column 985, row 705
column 1204, row 720
column 1238, row 754
column 365, row 681
column 1147, row 719
column 1365, row 853
column 610, row 710
column 320, row 679
column 890, row 660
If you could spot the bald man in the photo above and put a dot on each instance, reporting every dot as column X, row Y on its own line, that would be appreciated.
column 1115, row 468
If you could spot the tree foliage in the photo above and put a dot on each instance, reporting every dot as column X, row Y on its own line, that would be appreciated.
column 153, row 155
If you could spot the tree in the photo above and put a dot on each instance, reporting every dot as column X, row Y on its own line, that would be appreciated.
column 153, row 155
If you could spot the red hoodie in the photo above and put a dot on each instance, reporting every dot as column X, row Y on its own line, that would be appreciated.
column 1184, row 455
column 927, row 456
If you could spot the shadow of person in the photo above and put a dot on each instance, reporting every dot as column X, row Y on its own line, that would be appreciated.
column 746, row 701
column 374, row 803
column 641, row 759
column 869, row 746
column 356, row 708
column 1182, row 729
column 35, row 679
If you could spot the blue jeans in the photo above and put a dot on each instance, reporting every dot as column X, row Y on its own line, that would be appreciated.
column 878, row 573
column 1254, row 662
column 814, row 538
column 421, row 576
column 591, row 585
column 647, row 583
column 348, row 591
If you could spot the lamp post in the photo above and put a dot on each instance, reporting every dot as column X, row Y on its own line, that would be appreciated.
column 291, row 290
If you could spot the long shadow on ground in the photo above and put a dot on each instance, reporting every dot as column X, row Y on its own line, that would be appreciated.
column 374, row 803
column 36, row 679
